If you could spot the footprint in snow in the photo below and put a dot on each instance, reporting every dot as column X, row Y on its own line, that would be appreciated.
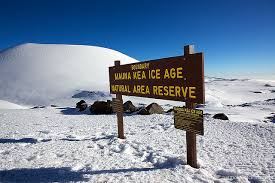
column 44, row 131
column 5, row 152
column 45, row 140
column 34, row 157
column 59, row 155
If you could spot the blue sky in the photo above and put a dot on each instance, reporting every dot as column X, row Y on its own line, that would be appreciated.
column 237, row 36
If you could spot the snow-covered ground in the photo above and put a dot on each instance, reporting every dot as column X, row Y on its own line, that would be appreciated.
column 241, row 100
column 48, row 145
column 58, row 144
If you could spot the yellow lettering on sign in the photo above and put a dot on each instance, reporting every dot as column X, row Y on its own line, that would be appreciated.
column 138, row 88
column 143, row 75
column 184, row 91
column 147, row 90
column 157, row 73
column 171, row 91
column 173, row 73
column 134, row 89
column 199, row 112
column 113, row 88
column 129, row 75
column 154, row 74
column 160, row 90
column 123, row 76
column 136, row 75
column 155, row 90
column 166, row 91
column 120, row 88
column 175, row 91
column 141, row 89
column 179, row 72
column 139, row 75
column 166, row 74
column 192, row 92
column 140, row 66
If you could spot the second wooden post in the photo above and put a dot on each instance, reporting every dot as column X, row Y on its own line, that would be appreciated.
column 120, row 126
column 191, row 141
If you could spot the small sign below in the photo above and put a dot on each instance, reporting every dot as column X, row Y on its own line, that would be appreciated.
column 189, row 119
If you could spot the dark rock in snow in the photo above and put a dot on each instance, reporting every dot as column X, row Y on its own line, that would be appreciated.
column 270, row 101
column 272, row 91
column 38, row 107
column 154, row 108
column 143, row 111
column 170, row 110
column 54, row 105
column 101, row 107
column 256, row 92
column 245, row 105
column 81, row 105
column 268, row 85
column 271, row 118
column 221, row 116
column 129, row 107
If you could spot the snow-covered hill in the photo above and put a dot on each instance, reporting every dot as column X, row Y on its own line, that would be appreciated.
column 9, row 105
column 38, row 74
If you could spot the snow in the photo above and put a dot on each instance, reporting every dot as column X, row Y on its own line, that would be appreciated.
column 9, row 105
column 241, row 100
column 58, row 144
column 38, row 74
column 47, row 145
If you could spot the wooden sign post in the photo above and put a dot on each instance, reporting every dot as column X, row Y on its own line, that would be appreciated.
column 120, row 126
column 179, row 78
column 191, row 141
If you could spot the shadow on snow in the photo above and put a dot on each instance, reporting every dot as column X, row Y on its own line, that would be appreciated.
column 23, row 140
column 41, row 175
column 63, row 174
column 73, row 111
column 92, row 139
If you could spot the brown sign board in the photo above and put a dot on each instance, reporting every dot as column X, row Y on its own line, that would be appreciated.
column 117, row 105
column 178, row 78
column 189, row 119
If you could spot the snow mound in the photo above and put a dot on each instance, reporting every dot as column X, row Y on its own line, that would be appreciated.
column 38, row 74
column 9, row 105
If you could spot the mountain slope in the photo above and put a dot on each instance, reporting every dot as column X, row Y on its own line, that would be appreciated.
column 39, row 74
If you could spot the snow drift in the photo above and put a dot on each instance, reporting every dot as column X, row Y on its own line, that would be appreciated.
column 9, row 105
column 37, row 74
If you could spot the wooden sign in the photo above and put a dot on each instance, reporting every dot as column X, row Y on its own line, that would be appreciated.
column 178, row 78
column 189, row 119
column 117, row 105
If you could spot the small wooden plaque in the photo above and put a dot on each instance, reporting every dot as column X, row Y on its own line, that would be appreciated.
column 190, row 120
column 117, row 105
